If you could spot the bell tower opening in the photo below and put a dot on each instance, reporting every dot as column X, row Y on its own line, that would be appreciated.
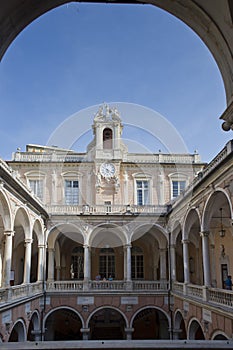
column 107, row 138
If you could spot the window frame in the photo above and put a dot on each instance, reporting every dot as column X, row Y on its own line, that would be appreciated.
column 177, row 177
column 143, row 178
column 72, row 176
column 36, row 176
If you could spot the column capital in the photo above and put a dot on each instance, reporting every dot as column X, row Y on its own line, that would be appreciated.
column 51, row 250
column 9, row 233
column 41, row 246
column 185, row 241
column 204, row 233
column 86, row 246
column 162, row 250
column 128, row 245
column 28, row 241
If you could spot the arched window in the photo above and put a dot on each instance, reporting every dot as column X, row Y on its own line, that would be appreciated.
column 137, row 263
column 107, row 262
column 77, row 261
column 107, row 138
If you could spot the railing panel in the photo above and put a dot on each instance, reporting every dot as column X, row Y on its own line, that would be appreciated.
column 58, row 286
column 150, row 285
column 221, row 297
column 105, row 209
column 195, row 291
column 106, row 285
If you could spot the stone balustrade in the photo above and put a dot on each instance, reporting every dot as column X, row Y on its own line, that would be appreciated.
column 78, row 286
column 105, row 209
column 20, row 291
column 131, row 157
column 215, row 296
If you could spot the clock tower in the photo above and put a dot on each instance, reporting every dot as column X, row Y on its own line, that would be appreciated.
column 107, row 151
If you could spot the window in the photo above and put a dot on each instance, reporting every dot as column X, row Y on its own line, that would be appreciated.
column 178, row 183
column 142, row 192
column 108, row 206
column 107, row 138
column 37, row 188
column 77, row 261
column 71, row 192
column 177, row 188
column 107, row 262
column 137, row 265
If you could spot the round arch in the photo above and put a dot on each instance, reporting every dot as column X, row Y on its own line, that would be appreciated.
column 192, row 218
column 18, row 332
column 112, row 323
column 5, row 211
column 219, row 335
column 219, row 196
column 34, row 331
column 71, row 231
column 63, row 323
column 38, row 229
column 155, row 230
column 195, row 331
column 154, row 322
column 210, row 26
column 22, row 219
column 107, row 235
column 179, row 326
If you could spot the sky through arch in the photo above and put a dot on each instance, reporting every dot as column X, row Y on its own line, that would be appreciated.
column 79, row 55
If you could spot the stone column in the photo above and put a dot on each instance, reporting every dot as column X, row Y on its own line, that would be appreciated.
column 86, row 263
column 206, row 257
column 128, row 332
column 40, row 270
column 51, row 253
column 7, row 257
column 128, row 262
column 27, row 260
column 86, row 333
column 173, row 262
column 186, row 260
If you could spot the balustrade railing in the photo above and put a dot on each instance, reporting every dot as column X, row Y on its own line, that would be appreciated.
column 195, row 291
column 58, row 286
column 221, row 297
column 78, row 286
column 20, row 291
column 150, row 285
column 106, row 209
column 214, row 296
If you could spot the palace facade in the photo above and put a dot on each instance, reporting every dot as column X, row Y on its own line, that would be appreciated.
column 112, row 245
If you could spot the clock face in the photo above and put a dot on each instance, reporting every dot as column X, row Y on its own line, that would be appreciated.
column 107, row 170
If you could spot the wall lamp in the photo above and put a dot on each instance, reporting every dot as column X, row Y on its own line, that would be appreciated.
column 221, row 231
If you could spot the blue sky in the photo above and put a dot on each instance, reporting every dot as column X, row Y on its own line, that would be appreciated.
column 80, row 55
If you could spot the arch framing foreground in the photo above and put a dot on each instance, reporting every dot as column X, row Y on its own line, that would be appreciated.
column 212, row 23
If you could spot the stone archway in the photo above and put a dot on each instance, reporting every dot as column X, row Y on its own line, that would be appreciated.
column 18, row 333
column 107, row 324
column 195, row 331
column 63, row 324
column 150, row 323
